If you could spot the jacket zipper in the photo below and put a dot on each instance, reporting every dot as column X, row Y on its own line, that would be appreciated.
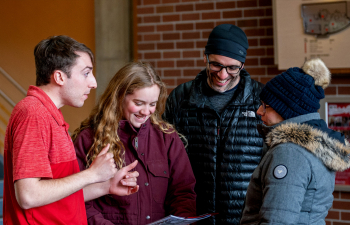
column 136, row 143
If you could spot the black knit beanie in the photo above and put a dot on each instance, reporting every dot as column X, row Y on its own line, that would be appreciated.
column 297, row 91
column 228, row 40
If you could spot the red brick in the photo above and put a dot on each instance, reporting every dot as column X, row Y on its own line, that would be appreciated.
column 190, row 0
column 232, row 14
column 151, row 37
column 345, row 195
column 344, row 216
column 151, row 2
column 256, row 52
column 252, row 62
column 170, row 1
column 185, row 63
column 206, row 25
column 191, row 16
column 269, row 31
column 183, row 80
column 169, row 90
column 225, row 5
column 180, row 45
column 205, row 34
column 151, row 19
column 165, row 45
column 139, row 38
column 336, row 194
column 171, row 55
column 161, row 64
column 145, row 46
column 139, row 20
column 139, row 2
column 141, row 29
column 266, row 41
column 226, row 22
column 340, row 223
column 330, row 91
column 191, row 73
column 146, row 10
column 265, row 22
column 253, row 42
column 191, row 54
column 274, row 71
column 182, row 8
column 328, row 223
column 139, row 56
column 185, row 26
column 152, row 55
column 211, row 16
column 255, row 32
column 267, row 61
column 191, row 35
column 256, row 71
column 200, row 63
column 340, row 79
column 172, row 73
column 333, row 215
column 247, row 3
column 201, row 44
column 265, row 3
column 247, row 23
column 168, row 27
column 171, row 36
column 165, row 9
column 204, row 6
column 268, row 12
column 169, row 81
column 343, row 91
column 270, row 51
column 341, row 205
column 266, row 79
column 171, row 18
column 254, row 12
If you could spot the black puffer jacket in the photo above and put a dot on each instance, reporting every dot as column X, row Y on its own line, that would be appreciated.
column 223, row 149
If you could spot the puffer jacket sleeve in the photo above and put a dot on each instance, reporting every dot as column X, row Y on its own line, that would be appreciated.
column 285, row 176
column 181, row 198
column 82, row 145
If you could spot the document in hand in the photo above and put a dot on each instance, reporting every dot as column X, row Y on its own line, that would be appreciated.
column 172, row 220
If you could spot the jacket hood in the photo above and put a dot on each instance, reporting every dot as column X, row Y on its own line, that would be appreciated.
column 333, row 153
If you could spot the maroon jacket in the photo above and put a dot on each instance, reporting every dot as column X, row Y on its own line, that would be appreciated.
column 166, row 178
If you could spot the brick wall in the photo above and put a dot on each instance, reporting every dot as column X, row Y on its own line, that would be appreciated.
column 171, row 35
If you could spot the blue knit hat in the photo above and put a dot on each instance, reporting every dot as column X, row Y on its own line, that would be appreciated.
column 227, row 40
column 297, row 91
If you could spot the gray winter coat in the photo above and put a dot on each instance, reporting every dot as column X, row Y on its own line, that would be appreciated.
column 294, row 181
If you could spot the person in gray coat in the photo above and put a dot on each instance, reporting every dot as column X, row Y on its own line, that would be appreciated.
column 294, row 182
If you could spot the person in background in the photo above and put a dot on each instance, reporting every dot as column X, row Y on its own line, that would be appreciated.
column 216, row 114
column 128, row 115
column 294, row 181
column 42, row 183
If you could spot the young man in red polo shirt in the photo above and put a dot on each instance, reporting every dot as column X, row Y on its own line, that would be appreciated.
column 43, row 184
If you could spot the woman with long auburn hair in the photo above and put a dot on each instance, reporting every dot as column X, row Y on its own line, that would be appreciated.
column 128, row 117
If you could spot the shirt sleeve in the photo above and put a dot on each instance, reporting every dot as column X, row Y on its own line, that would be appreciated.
column 31, row 148
column 181, row 198
column 284, row 178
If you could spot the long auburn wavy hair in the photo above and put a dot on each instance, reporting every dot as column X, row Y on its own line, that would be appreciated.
column 105, row 116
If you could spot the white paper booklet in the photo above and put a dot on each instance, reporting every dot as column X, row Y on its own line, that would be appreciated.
column 172, row 220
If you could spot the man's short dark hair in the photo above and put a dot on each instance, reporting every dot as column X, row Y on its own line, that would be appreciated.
column 57, row 53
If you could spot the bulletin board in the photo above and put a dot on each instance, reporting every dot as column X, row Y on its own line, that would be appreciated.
column 293, row 44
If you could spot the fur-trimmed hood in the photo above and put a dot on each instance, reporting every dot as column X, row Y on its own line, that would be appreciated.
column 333, row 153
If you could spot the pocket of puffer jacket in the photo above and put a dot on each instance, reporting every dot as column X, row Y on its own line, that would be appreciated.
column 159, row 179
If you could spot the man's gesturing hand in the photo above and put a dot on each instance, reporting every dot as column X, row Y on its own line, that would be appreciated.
column 124, row 182
column 103, row 167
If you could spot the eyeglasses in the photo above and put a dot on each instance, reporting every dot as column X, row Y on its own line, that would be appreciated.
column 217, row 67
column 264, row 106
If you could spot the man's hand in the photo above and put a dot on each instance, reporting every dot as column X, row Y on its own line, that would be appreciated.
column 124, row 182
column 103, row 167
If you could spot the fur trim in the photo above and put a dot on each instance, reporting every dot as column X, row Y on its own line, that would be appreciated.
column 319, row 71
column 331, row 152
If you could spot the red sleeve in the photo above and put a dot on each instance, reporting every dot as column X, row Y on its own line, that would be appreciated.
column 181, row 198
column 82, row 145
column 31, row 135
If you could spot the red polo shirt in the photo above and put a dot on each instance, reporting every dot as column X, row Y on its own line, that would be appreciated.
column 37, row 144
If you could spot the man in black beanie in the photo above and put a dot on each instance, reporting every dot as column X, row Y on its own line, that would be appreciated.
column 294, row 181
column 216, row 113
